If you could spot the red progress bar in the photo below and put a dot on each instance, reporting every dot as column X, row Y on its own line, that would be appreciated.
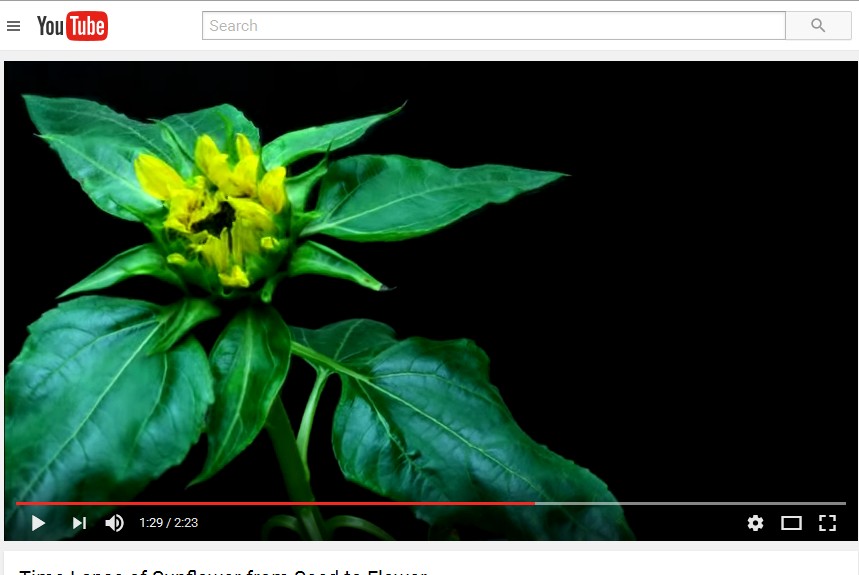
column 275, row 503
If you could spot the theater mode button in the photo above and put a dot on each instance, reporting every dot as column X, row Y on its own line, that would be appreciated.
column 791, row 522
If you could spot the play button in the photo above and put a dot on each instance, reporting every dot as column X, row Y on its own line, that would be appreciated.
column 37, row 523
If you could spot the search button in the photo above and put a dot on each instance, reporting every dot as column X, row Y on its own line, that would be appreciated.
column 818, row 26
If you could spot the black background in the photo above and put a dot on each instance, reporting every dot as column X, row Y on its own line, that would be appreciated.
column 677, row 315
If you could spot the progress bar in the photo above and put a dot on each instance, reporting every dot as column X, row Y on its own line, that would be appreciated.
column 416, row 503
column 276, row 503
column 696, row 503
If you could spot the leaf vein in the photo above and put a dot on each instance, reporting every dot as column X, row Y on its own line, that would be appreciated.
column 327, row 222
column 25, row 493
column 461, row 438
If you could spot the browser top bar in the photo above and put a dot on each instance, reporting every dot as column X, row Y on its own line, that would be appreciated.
column 394, row 25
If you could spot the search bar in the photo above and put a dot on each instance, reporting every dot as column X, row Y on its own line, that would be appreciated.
column 453, row 25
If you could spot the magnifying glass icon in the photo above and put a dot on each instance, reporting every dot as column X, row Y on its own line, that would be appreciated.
column 817, row 24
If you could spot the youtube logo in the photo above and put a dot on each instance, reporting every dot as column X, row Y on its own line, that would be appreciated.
column 86, row 26
column 81, row 26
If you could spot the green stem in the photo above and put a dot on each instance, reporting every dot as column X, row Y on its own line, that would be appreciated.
column 283, row 521
column 359, row 524
column 309, row 413
column 294, row 476
column 267, row 291
column 314, row 357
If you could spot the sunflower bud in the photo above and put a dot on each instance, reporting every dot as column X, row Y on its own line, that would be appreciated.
column 225, row 226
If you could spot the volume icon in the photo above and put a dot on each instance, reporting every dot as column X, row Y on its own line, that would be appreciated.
column 116, row 523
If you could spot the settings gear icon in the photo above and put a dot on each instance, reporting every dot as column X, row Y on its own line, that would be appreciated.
column 756, row 522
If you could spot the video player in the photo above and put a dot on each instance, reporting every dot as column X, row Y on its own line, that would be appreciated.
column 625, row 319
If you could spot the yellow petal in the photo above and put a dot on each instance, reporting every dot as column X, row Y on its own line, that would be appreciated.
column 236, row 278
column 174, row 223
column 237, row 243
column 216, row 251
column 269, row 243
column 207, row 206
column 252, row 215
column 198, row 239
column 198, row 184
column 271, row 191
column 244, row 177
column 246, row 241
column 177, row 259
column 187, row 206
column 211, row 161
column 156, row 177
column 243, row 147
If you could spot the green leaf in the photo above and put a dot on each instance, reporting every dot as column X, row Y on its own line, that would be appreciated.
column 142, row 260
column 223, row 123
column 249, row 363
column 343, row 343
column 91, row 415
column 299, row 187
column 418, row 420
column 392, row 198
column 313, row 258
column 296, row 145
column 98, row 147
column 179, row 318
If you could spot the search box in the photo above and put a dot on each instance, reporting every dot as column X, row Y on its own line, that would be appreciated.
column 452, row 25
